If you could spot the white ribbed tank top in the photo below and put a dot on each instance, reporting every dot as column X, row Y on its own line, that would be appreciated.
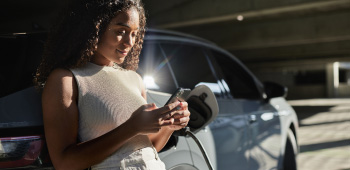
column 107, row 98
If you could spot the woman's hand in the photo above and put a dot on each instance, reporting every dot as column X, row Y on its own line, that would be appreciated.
column 149, row 119
column 181, row 116
column 174, row 117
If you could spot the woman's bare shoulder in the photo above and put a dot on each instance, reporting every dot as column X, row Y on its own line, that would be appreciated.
column 61, row 81
column 60, row 73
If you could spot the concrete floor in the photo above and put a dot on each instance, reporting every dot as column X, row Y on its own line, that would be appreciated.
column 324, row 133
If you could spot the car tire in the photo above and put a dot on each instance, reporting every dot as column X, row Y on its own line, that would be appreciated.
column 291, row 151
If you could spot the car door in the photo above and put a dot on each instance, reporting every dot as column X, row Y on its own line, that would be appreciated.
column 191, row 66
column 230, row 129
column 262, row 140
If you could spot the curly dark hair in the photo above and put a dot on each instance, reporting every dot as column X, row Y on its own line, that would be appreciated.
column 73, row 40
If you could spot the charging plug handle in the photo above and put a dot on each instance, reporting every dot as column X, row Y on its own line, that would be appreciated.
column 186, row 131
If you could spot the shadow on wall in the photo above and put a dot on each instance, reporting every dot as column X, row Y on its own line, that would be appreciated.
column 304, row 112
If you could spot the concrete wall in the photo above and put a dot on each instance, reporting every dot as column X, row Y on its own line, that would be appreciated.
column 276, row 39
column 286, row 73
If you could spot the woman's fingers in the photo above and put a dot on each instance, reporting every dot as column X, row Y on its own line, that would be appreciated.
column 184, row 105
column 168, row 107
column 167, row 122
column 183, row 120
column 176, row 114
column 166, row 116
column 167, row 111
column 180, row 114
column 172, row 114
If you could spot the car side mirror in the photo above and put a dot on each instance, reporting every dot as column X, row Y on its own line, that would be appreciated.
column 273, row 90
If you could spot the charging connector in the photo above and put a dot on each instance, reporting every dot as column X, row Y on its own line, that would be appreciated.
column 186, row 131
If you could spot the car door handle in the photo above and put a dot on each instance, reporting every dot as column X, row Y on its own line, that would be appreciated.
column 252, row 119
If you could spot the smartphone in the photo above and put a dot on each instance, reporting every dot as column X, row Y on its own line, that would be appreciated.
column 179, row 95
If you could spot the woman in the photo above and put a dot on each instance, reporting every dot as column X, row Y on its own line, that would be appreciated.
column 94, row 104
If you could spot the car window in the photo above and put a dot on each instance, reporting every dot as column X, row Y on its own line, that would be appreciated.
column 22, row 54
column 154, row 69
column 190, row 66
column 240, row 83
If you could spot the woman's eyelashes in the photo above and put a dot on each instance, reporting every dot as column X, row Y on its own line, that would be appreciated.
column 124, row 32
column 120, row 32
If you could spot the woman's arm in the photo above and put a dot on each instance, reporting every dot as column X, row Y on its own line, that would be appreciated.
column 160, row 139
column 60, row 115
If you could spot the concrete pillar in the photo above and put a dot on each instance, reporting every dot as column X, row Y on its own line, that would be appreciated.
column 332, row 79
column 334, row 87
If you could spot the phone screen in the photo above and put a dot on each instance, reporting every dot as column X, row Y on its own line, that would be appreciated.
column 179, row 95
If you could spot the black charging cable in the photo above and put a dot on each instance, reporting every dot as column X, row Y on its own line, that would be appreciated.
column 186, row 131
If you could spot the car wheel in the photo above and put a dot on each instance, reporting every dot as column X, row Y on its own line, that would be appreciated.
column 290, row 153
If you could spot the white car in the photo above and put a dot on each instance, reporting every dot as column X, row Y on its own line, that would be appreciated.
column 254, row 129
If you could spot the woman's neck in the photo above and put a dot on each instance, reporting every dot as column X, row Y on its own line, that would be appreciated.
column 102, row 61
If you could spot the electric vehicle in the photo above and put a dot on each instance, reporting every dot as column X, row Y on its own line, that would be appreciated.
column 255, row 128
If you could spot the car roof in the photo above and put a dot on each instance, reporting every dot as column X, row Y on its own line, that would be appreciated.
column 167, row 35
column 151, row 32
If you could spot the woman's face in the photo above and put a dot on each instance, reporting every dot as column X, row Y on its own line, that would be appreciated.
column 118, row 39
